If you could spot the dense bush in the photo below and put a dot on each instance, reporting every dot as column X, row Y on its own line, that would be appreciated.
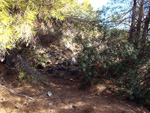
column 121, row 61
column 87, row 61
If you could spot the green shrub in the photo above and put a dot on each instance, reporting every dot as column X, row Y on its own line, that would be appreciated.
column 124, row 62
column 118, row 58
column 87, row 61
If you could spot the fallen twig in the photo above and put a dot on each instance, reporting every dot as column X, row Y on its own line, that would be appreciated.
column 12, row 92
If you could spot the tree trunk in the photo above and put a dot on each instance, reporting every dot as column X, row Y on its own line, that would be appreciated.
column 146, row 25
column 132, row 29
column 140, row 16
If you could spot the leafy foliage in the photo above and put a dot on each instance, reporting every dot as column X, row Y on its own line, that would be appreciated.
column 18, row 17
column 118, row 60
column 87, row 61
column 121, row 61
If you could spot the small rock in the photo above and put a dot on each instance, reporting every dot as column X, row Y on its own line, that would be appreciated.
column 62, row 67
column 73, row 60
column 41, row 90
column 71, row 80
column 106, row 107
column 17, row 107
column 52, row 70
column 53, row 54
column 3, row 99
column 69, row 69
column 74, row 72
column 49, row 93
column 33, row 93
column 60, row 73
column 26, row 104
column 73, row 106
column 63, row 52
column 66, row 63
column 41, row 66
column 56, row 62
column 50, row 104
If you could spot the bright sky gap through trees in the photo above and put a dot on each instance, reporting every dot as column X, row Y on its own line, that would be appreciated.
column 97, row 3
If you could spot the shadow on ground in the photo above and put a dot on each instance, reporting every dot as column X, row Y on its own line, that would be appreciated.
column 66, row 98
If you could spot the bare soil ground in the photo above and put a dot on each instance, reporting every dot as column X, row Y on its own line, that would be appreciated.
column 66, row 98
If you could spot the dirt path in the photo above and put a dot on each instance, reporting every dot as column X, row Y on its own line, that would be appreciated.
column 66, row 98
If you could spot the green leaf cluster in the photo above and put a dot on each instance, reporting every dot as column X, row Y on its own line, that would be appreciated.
column 18, row 18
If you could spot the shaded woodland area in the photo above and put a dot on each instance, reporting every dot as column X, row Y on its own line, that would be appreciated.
column 62, row 56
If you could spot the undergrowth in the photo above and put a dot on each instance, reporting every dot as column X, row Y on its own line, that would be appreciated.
column 121, row 61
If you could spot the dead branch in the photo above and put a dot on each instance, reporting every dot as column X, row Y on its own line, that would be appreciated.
column 12, row 92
